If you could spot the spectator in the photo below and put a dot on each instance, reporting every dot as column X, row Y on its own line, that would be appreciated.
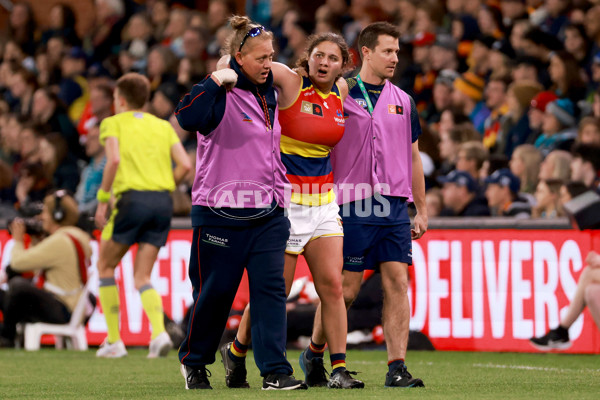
column 442, row 96
column 165, row 99
column 556, row 165
column 162, row 66
column 424, row 74
column 536, row 113
column 159, row 15
column 91, row 175
column 99, row 107
column 566, row 77
column 467, row 97
column 479, row 60
column 434, row 202
column 22, row 85
column 460, row 196
column 556, row 17
column 49, row 113
column 464, row 30
column 516, row 128
column 74, row 89
column 547, row 196
column 62, row 23
column 589, row 131
column 21, row 27
column 525, row 165
column 58, row 256
column 585, row 165
column 558, row 127
column 106, row 34
column 517, row 34
column 513, row 11
column 526, row 68
column 470, row 158
column 489, row 20
column 450, row 142
column 139, row 28
column 444, row 54
column 407, row 12
column 495, row 101
column 503, row 195
column 578, row 44
column 570, row 190
column 178, row 23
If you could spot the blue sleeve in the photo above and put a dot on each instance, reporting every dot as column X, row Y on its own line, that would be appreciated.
column 202, row 108
column 415, row 124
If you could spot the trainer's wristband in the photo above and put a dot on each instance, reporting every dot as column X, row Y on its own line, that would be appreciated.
column 102, row 196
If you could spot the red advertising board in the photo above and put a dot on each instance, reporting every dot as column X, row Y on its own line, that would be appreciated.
column 476, row 290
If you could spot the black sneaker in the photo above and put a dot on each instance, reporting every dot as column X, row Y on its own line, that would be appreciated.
column 344, row 380
column 400, row 377
column 235, row 372
column 314, row 371
column 554, row 339
column 282, row 382
column 195, row 378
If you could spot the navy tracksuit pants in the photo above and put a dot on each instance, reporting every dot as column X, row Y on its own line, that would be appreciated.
column 218, row 257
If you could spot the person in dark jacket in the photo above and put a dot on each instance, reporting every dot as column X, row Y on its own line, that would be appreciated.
column 460, row 196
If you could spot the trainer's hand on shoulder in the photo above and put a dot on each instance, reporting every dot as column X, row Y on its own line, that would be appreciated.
column 225, row 77
column 223, row 62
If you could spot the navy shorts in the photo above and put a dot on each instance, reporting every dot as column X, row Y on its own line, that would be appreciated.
column 366, row 246
column 140, row 217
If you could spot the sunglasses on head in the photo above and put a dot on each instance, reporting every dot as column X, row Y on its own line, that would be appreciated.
column 254, row 32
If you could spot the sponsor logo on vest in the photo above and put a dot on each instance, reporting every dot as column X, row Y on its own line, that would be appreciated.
column 395, row 109
column 255, row 197
column 339, row 117
column 310, row 108
column 309, row 93
column 361, row 103
column 246, row 117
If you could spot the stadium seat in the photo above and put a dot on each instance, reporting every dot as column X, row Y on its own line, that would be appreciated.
column 74, row 331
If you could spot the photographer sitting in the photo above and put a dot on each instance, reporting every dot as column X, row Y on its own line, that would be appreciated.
column 61, row 257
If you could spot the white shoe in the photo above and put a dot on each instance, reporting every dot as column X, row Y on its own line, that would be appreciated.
column 111, row 350
column 160, row 346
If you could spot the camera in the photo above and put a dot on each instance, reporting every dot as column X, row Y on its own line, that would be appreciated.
column 28, row 213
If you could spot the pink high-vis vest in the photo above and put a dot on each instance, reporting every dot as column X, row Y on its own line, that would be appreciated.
column 238, row 164
column 375, row 153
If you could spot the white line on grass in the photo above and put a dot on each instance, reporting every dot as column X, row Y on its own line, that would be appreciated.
column 533, row 368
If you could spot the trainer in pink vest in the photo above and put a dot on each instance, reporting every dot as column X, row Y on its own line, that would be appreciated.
column 375, row 151
column 223, row 178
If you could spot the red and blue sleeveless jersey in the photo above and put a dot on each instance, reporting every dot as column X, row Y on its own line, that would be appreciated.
column 310, row 128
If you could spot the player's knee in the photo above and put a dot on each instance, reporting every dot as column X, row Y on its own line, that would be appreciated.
column 330, row 290
column 395, row 284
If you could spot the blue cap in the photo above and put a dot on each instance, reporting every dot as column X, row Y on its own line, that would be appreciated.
column 460, row 178
column 505, row 178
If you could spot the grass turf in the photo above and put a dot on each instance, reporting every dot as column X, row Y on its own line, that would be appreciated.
column 52, row 374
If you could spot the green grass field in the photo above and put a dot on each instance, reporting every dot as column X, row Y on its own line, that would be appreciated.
column 52, row 374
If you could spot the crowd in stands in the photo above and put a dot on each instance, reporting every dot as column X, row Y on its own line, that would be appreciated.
column 508, row 91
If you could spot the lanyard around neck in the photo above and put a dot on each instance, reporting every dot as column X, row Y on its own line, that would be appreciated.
column 361, row 85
